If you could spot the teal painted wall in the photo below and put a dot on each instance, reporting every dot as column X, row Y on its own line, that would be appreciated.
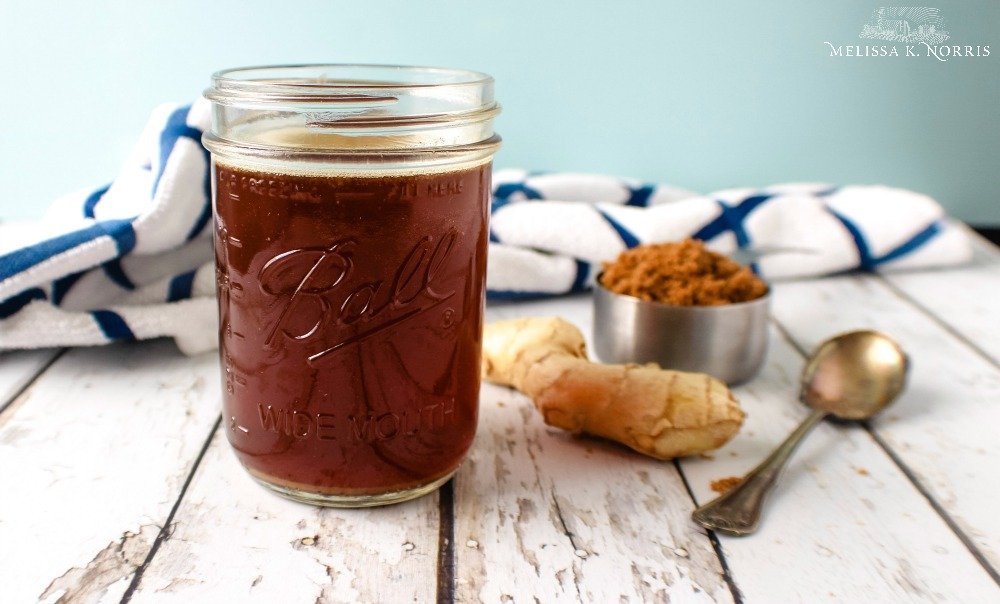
column 701, row 94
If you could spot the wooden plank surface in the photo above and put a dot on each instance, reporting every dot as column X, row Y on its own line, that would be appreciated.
column 112, row 435
column 944, row 427
column 94, row 455
column 844, row 524
column 233, row 539
column 18, row 368
column 965, row 299
column 848, row 510
column 542, row 515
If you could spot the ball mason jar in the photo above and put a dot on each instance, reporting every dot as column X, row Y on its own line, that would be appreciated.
column 351, row 205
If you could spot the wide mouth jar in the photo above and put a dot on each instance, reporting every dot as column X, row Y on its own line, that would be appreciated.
column 353, row 114
column 351, row 207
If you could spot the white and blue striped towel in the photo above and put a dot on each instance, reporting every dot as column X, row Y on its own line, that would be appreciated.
column 133, row 260
column 550, row 232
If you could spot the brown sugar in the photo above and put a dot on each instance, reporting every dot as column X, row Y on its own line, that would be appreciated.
column 723, row 485
column 685, row 273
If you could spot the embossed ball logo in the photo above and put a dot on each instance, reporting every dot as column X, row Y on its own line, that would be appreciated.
column 316, row 296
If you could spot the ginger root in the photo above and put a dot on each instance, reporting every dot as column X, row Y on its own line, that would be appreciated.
column 657, row 412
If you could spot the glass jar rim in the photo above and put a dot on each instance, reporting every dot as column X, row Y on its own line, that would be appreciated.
column 352, row 110
column 445, row 75
column 337, row 83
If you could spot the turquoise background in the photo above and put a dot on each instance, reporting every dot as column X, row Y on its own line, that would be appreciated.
column 702, row 95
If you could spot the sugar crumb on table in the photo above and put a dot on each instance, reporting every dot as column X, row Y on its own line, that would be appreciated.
column 723, row 485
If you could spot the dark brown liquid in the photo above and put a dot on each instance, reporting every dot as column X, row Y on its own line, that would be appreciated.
column 350, row 320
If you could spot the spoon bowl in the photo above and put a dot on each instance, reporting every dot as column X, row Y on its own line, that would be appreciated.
column 854, row 375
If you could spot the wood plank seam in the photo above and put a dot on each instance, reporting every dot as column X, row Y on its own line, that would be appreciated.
column 167, row 528
column 551, row 495
column 562, row 523
column 446, row 543
column 908, row 472
column 727, row 574
column 20, row 391
column 937, row 320
column 569, row 536
column 962, row 536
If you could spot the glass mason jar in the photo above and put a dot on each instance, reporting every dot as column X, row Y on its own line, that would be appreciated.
column 351, row 208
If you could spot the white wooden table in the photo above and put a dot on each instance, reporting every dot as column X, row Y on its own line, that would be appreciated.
column 118, row 483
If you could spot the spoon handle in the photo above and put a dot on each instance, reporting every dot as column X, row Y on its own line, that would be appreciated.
column 737, row 512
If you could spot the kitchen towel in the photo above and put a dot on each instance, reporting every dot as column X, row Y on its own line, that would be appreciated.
column 551, row 232
column 133, row 260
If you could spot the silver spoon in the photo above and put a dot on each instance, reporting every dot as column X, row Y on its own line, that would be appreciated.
column 852, row 376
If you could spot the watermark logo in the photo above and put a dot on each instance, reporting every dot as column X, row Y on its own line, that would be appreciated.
column 914, row 31
column 906, row 24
